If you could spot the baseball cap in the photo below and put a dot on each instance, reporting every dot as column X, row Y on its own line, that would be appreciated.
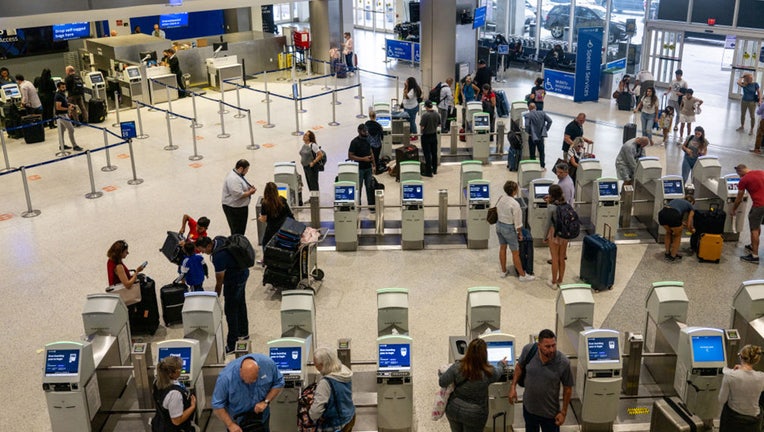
column 679, row 72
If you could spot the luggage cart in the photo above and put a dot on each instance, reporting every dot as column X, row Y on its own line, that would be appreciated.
column 300, row 269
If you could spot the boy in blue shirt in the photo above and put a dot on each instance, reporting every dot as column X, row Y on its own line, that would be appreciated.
column 192, row 268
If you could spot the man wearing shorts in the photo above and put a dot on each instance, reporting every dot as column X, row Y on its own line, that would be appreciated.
column 509, row 231
column 751, row 181
column 671, row 217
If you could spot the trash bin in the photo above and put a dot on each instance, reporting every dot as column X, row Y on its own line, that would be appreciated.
column 609, row 80
column 532, row 30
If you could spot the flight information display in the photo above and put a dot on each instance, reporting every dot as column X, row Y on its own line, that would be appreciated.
column 64, row 362
column 394, row 356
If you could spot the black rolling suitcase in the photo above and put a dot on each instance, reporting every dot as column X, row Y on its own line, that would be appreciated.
column 172, row 297
column 96, row 110
column 144, row 316
column 402, row 154
column 526, row 252
column 503, row 416
column 502, row 104
column 625, row 101
column 33, row 134
column 171, row 248
column 598, row 258
column 629, row 131
column 280, row 278
column 279, row 258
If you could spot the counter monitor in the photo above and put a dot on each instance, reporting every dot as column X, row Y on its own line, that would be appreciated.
column 672, row 187
column 288, row 359
column 608, row 189
column 183, row 352
column 498, row 350
column 540, row 190
column 707, row 349
column 480, row 192
column 394, row 356
column 603, row 350
column 412, row 192
column 344, row 194
column 62, row 362
column 133, row 72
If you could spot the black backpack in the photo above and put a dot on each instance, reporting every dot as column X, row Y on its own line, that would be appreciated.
column 78, row 87
column 568, row 226
column 240, row 248
column 322, row 163
column 434, row 95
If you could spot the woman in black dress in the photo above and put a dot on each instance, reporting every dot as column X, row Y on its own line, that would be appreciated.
column 274, row 211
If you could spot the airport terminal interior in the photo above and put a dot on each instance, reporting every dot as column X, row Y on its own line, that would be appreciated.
column 55, row 259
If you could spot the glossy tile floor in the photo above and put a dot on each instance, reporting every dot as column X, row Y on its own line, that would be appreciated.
column 54, row 260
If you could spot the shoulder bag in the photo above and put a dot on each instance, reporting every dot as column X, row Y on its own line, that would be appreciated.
column 524, row 364
column 493, row 214
column 130, row 295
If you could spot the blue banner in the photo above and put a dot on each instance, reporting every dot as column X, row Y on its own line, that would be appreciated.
column 480, row 14
column 588, row 61
column 615, row 64
column 401, row 50
column 559, row 82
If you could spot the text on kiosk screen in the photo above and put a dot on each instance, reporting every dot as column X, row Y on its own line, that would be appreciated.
column 499, row 350
column 603, row 349
column 672, row 187
column 183, row 352
column 411, row 192
column 707, row 349
column 344, row 193
column 732, row 184
column 394, row 356
column 479, row 192
column 62, row 362
column 287, row 359
column 608, row 189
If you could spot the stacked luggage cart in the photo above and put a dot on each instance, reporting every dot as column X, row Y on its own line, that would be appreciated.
column 291, row 263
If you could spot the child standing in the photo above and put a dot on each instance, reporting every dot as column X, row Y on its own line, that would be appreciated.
column 192, row 268
column 665, row 120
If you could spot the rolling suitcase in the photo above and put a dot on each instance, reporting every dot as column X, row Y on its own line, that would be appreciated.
column 144, row 316
column 96, row 110
column 33, row 134
column 172, row 297
column 598, row 258
column 280, row 278
column 625, row 101
column 502, row 104
column 710, row 247
column 670, row 414
column 629, row 131
column 171, row 248
column 341, row 69
column 709, row 221
column 513, row 159
column 526, row 252
column 402, row 154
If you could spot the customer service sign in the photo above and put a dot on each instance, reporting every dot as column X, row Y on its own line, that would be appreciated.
column 588, row 61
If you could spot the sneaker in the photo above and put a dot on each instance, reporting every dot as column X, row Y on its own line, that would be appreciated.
column 527, row 278
column 78, row 148
column 669, row 258
column 739, row 129
column 503, row 274
column 66, row 147
column 750, row 258
column 749, row 248
column 553, row 285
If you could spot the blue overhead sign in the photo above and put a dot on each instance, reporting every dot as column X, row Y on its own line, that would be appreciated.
column 559, row 82
column 588, row 61
column 401, row 50
column 479, row 17
column 615, row 64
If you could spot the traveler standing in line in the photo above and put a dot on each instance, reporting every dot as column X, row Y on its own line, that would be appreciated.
column 626, row 161
column 446, row 105
column 469, row 90
column 482, row 74
column 538, row 94
column 310, row 156
column 231, row 281
column 546, row 370
column 674, row 217
column 237, row 193
column 429, row 122
column 63, row 111
column 376, row 135
column 751, row 98
column 274, row 212
column 175, row 405
column 29, row 97
column 333, row 397
column 467, row 408
column 412, row 95
column 75, row 90
column 488, row 99
column 46, row 90
column 573, row 130
column 116, row 269
column 675, row 93
column 537, row 124
column 509, row 229
column 360, row 151
column 565, row 181
column 648, row 107
column 695, row 147
column 557, row 245
column 751, row 181
column 174, row 64
column 347, row 50
column 740, row 393
column 687, row 110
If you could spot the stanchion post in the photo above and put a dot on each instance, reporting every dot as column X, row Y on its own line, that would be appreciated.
column 299, row 84
column 8, row 166
column 334, row 109
column 116, row 108
column 397, row 86
column 196, row 156
column 360, row 102
column 334, row 99
column 109, row 167
column 93, row 194
column 141, row 135
column 358, row 75
column 297, row 131
column 194, row 124
column 135, row 180
column 268, row 123
column 30, row 213
column 223, row 109
column 169, row 103
column 222, row 133
column 252, row 145
column 267, row 95
column 239, row 114
column 326, row 77
column 170, row 146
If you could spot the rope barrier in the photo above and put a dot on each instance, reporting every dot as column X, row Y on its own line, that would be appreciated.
column 162, row 110
column 377, row 73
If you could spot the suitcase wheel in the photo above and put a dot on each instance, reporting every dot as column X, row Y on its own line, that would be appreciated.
column 318, row 274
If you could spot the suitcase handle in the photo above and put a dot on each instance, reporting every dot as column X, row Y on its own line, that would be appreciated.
column 607, row 228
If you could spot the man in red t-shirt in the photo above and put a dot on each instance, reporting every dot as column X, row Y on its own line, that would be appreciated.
column 751, row 181
column 196, row 229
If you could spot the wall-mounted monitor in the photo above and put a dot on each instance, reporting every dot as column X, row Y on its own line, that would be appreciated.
column 64, row 32
column 603, row 350
column 183, row 352
column 608, row 189
column 173, row 20
column 288, row 359
column 540, row 190
column 482, row 121
column 61, row 363
column 707, row 349
column 344, row 194
column 394, row 356
column 480, row 192
column 672, row 187
column 412, row 192
column 499, row 350
column 384, row 121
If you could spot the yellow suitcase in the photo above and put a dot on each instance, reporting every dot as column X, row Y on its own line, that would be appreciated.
column 710, row 247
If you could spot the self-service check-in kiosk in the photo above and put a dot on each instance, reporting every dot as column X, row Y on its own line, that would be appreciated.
column 285, row 174
column 97, row 85
column 10, row 93
column 131, row 85
column 712, row 187
column 537, row 205
column 667, row 188
column 190, row 353
column 575, row 313
column 412, row 215
column 221, row 69
column 392, row 311
column 598, row 379
column 469, row 170
column 473, row 107
column 479, row 142
column 605, row 206
column 517, row 112
column 395, row 390
column 477, row 209
column 203, row 321
column 345, row 216
column 483, row 311
column 698, row 375
column 386, row 121
column 646, row 176
column 747, row 313
column 500, row 346
column 587, row 172
column 410, row 170
column 666, row 306
column 70, row 385
column 290, row 356
column 348, row 172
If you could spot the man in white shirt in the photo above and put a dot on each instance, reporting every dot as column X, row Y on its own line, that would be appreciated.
column 237, row 193
column 158, row 32
column 446, row 103
column 674, row 93
column 29, row 98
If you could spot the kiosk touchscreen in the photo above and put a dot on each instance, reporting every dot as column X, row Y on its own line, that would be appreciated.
column 10, row 92
column 412, row 214
column 483, row 311
column 392, row 311
column 394, row 383
column 348, row 172
column 479, row 200
column 345, row 216
column 188, row 350
column 698, row 376
column 385, row 121
column 133, row 73
column 501, row 347
column 71, row 393
column 605, row 206
column 479, row 141
column 95, row 82
column 598, row 380
column 727, row 191
column 203, row 321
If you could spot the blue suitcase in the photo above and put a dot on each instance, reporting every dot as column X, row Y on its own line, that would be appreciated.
column 502, row 104
column 598, row 259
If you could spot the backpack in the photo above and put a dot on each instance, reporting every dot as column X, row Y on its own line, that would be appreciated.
column 514, row 136
column 322, row 163
column 78, row 87
column 567, row 225
column 434, row 95
column 240, row 248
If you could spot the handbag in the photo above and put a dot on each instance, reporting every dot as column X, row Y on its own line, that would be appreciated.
column 616, row 94
column 130, row 295
column 493, row 214
column 441, row 400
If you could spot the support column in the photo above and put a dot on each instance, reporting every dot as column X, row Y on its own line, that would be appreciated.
column 437, row 34
column 328, row 20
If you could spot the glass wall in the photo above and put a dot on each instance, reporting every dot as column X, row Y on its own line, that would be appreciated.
column 376, row 15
